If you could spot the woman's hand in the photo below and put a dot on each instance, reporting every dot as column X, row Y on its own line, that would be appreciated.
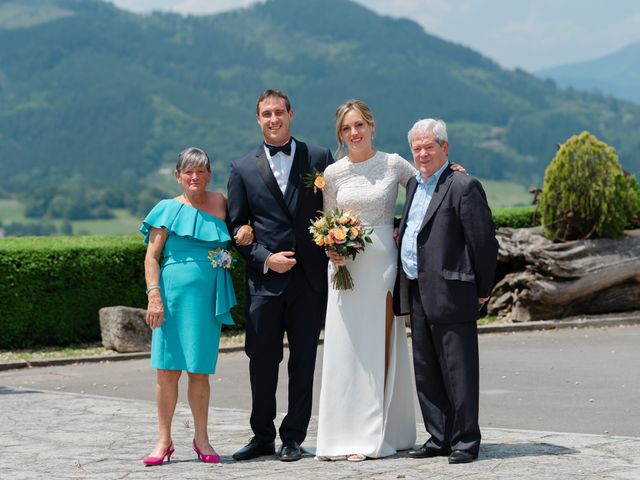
column 338, row 260
column 155, row 309
column 244, row 235
column 456, row 167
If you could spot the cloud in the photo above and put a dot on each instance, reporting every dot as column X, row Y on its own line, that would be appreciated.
column 531, row 35
column 195, row 7
column 208, row 7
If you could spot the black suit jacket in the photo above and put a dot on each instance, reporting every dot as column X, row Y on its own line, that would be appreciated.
column 280, row 222
column 457, row 251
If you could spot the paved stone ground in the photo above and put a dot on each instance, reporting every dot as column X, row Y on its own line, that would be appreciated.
column 55, row 435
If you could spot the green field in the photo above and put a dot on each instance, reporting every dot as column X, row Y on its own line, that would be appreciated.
column 506, row 194
column 123, row 224
column 500, row 194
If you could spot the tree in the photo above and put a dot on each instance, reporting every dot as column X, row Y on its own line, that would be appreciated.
column 585, row 192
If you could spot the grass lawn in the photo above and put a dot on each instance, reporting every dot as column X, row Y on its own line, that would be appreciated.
column 11, row 211
column 506, row 194
column 499, row 194
column 122, row 224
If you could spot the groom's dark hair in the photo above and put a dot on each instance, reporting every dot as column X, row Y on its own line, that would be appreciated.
column 272, row 92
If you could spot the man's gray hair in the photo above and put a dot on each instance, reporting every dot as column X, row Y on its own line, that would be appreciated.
column 429, row 126
column 192, row 157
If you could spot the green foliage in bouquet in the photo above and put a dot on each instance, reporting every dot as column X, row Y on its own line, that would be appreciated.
column 585, row 192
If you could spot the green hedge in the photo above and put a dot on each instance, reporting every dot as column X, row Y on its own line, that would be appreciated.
column 52, row 287
column 517, row 217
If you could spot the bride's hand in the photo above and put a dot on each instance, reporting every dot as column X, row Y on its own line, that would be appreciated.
column 338, row 260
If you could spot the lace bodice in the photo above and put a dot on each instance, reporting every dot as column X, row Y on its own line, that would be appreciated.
column 368, row 189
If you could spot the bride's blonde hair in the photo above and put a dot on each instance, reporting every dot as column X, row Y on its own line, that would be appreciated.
column 344, row 108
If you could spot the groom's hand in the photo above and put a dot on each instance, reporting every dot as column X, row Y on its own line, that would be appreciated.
column 281, row 262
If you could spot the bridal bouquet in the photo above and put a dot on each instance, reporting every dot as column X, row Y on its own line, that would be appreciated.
column 343, row 233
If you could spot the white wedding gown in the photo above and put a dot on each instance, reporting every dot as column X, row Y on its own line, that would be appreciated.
column 358, row 413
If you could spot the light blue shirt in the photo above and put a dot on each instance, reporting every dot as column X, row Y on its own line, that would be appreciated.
column 417, row 211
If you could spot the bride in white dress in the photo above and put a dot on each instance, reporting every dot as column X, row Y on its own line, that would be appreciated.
column 367, row 392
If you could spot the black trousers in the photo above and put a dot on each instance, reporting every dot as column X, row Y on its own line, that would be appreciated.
column 298, row 311
column 445, row 359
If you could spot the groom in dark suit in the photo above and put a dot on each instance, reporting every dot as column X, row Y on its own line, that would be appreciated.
column 446, row 264
column 286, row 273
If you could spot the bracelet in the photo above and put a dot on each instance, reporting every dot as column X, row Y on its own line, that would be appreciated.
column 152, row 287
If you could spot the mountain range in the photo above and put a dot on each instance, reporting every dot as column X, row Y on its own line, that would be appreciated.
column 92, row 96
column 616, row 74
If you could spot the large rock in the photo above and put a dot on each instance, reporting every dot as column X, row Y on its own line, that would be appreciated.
column 123, row 329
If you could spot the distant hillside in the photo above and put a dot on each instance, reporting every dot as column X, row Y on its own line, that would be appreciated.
column 617, row 74
column 95, row 97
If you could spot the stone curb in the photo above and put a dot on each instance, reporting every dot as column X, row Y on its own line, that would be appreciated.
column 623, row 319
column 612, row 320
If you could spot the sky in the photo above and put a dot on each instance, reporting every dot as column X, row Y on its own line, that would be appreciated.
column 528, row 34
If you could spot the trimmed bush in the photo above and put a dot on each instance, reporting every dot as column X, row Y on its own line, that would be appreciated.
column 516, row 217
column 53, row 287
column 585, row 193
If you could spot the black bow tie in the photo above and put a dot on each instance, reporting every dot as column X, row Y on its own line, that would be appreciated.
column 286, row 148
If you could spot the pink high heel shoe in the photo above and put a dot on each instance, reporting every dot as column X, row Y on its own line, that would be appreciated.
column 159, row 460
column 206, row 458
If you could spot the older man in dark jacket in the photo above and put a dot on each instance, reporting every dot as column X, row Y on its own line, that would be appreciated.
column 446, row 265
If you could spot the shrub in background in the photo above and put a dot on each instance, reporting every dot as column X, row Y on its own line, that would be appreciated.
column 585, row 193
column 516, row 217
column 634, row 185
column 53, row 287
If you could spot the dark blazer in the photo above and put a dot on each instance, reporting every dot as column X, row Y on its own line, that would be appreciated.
column 280, row 222
column 457, row 251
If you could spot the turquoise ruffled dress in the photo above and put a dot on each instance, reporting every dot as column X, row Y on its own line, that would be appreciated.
column 197, row 297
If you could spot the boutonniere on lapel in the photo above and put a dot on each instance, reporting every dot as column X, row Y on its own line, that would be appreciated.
column 314, row 180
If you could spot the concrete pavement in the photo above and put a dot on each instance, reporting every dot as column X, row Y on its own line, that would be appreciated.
column 74, row 421
column 53, row 435
column 579, row 381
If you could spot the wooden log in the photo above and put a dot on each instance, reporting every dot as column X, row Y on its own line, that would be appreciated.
column 552, row 280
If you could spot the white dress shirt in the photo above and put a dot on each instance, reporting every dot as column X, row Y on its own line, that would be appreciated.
column 281, row 165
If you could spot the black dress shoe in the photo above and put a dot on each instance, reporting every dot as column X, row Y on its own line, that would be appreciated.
column 462, row 456
column 427, row 452
column 255, row 449
column 290, row 451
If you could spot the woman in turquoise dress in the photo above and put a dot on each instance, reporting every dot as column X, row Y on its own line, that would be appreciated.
column 190, row 296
